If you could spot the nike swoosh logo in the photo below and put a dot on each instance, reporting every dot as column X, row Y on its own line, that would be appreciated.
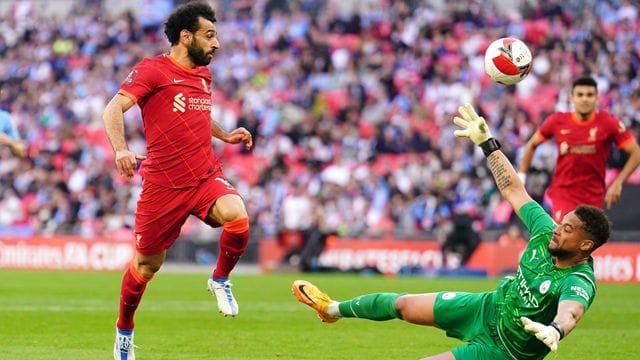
column 177, row 81
column 301, row 288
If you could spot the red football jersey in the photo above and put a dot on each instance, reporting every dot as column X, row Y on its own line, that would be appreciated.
column 583, row 151
column 176, row 112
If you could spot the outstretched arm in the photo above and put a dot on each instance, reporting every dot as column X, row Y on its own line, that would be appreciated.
column 615, row 189
column 475, row 128
column 507, row 180
column 568, row 315
column 113, row 119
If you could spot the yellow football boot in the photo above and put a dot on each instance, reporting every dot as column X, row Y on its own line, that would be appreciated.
column 310, row 295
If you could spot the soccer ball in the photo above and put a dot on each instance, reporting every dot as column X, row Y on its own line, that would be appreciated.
column 507, row 61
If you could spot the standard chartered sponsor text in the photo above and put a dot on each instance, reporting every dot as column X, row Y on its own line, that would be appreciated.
column 202, row 104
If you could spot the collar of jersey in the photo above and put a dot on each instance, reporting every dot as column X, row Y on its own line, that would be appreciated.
column 575, row 119
column 180, row 65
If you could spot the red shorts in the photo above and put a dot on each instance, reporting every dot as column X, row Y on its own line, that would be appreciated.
column 560, row 208
column 562, row 205
column 162, row 210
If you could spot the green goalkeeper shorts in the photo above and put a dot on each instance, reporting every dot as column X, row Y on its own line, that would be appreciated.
column 470, row 317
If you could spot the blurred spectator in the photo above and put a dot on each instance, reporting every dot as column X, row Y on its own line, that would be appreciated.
column 9, row 135
column 512, row 237
column 298, row 217
column 315, row 239
column 461, row 242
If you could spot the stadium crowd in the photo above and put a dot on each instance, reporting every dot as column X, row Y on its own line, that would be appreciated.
column 350, row 110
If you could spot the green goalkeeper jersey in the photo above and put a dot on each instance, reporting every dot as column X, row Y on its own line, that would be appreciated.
column 537, row 287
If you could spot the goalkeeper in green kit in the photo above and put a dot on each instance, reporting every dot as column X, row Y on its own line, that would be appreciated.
column 528, row 314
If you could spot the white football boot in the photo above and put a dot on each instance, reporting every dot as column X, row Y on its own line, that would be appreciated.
column 227, row 304
column 123, row 346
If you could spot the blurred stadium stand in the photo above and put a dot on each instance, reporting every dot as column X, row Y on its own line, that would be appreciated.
column 350, row 101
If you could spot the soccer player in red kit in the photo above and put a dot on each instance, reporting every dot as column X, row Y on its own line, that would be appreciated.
column 181, row 174
column 583, row 138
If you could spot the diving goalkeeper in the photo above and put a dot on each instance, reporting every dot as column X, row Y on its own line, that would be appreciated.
column 529, row 313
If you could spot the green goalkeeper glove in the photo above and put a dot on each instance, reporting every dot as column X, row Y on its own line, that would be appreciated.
column 548, row 334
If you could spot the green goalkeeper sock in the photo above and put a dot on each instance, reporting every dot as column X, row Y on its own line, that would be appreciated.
column 378, row 307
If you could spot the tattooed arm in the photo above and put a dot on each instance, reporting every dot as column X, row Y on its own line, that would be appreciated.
column 507, row 180
column 476, row 129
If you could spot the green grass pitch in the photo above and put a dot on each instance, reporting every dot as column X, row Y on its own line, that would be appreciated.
column 71, row 315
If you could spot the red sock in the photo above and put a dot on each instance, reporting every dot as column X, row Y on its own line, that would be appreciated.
column 133, row 285
column 233, row 242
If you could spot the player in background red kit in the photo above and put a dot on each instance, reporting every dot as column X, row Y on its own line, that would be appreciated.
column 584, row 138
column 181, row 174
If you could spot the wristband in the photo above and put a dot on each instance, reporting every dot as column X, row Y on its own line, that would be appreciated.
column 556, row 326
column 489, row 146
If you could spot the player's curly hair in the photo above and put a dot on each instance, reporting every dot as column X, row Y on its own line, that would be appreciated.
column 594, row 222
column 186, row 17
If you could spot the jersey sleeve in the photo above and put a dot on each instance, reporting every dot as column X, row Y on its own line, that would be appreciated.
column 140, row 82
column 578, row 288
column 536, row 219
column 621, row 135
column 548, row 127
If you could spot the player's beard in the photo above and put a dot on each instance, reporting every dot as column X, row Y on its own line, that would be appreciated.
column 584, row 111
column 197, row 54
column 559, row 253
column 584, row 116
